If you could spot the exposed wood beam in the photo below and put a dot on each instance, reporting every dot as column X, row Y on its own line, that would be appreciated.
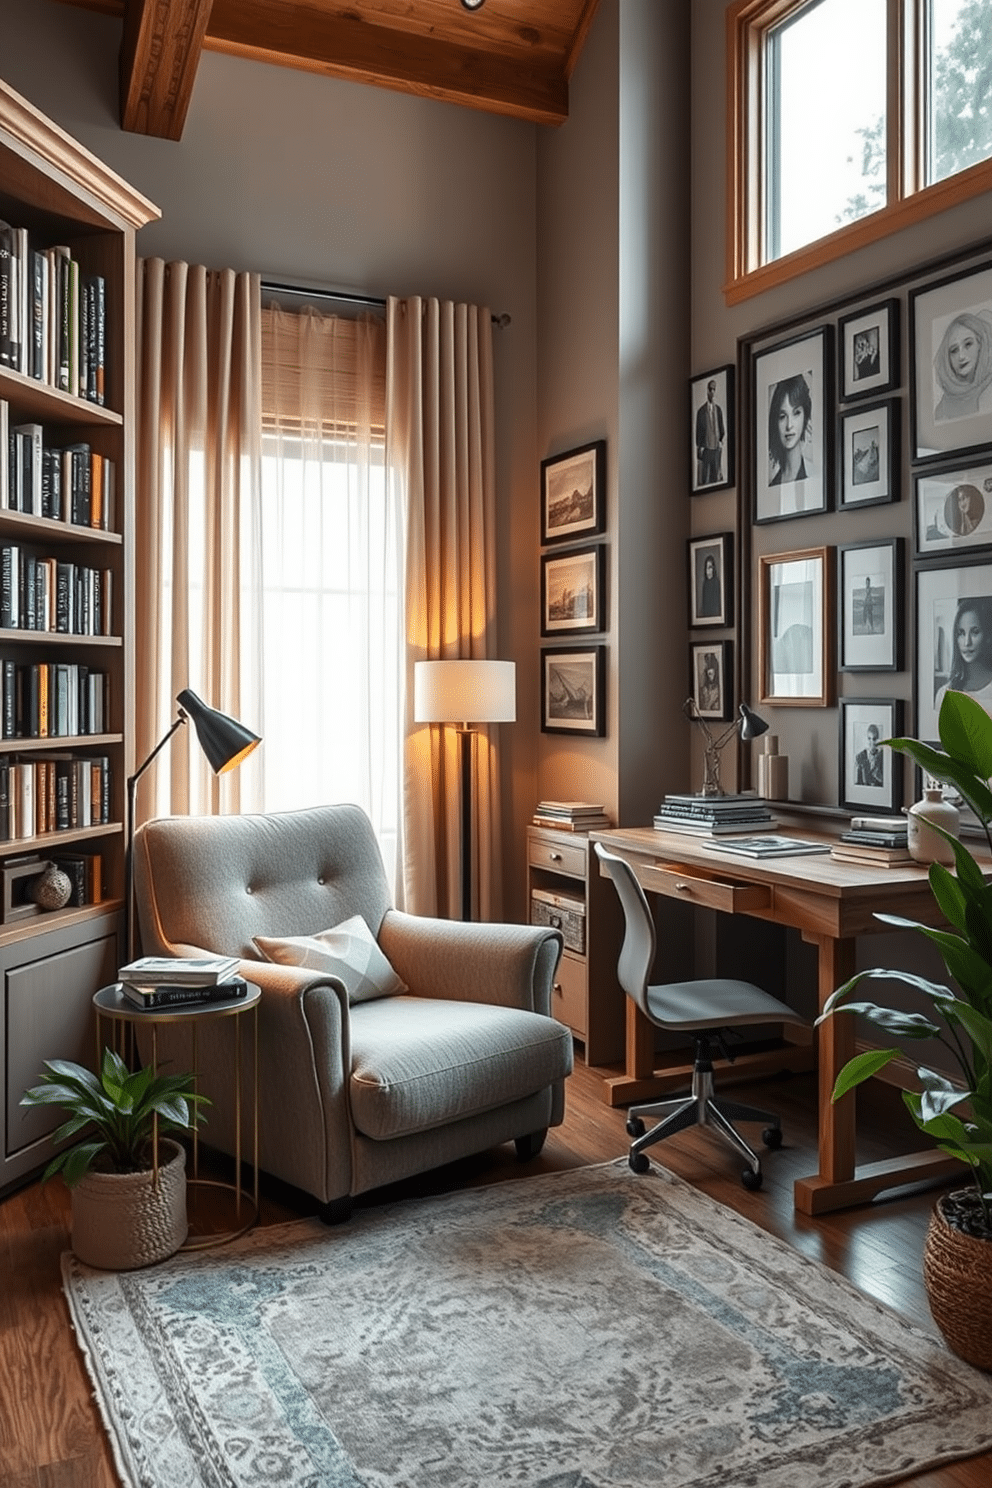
column 160, row 52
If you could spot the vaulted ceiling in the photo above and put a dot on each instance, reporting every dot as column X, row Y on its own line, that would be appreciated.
column 511, row 57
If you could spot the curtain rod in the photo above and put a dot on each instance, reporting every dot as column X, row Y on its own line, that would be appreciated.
column 342, row 297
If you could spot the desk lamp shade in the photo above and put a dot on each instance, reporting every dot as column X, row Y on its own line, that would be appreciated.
column 224, row 740
column 464, row 692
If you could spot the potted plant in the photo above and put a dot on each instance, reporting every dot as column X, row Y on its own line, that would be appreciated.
column 958, row 1113
column 128, row 1186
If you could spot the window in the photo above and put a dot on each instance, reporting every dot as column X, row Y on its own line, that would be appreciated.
column 851, row 118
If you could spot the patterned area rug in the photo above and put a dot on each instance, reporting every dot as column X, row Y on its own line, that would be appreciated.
column 583, row 1329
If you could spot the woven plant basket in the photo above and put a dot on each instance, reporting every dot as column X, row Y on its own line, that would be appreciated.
column 957, row 1270
column 124, row 1220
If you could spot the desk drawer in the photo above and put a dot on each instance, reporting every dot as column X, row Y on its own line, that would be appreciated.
column 678, row 882
column 568, row 994
column 557, row 856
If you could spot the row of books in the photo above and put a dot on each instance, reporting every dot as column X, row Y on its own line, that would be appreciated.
column 53, row 316
column 874, row 839
column 571, row 816
column 167, row 981
column 51, row 594
column 54, row 699
column 85, row 873
column 714, row 816
column 55, row 792
column 66, row 483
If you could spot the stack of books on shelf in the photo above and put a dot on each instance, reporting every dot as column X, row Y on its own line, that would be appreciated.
column 571, row 816
column 874, row 839
column 711, row 816
column 170, row 981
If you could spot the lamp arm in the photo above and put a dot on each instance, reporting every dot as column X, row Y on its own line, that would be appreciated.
column 132, row 791
column 132, row 780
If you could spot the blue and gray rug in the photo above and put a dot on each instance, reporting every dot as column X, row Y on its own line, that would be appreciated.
column 584, row 1329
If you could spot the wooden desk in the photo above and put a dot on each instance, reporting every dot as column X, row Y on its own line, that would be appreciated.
column 830, row 903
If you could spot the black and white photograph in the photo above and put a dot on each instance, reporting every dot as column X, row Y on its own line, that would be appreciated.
column 953, row 508
column 870, row 777
column 869, row 351
column 869, row 605
column 711, row 580
column 951, row 337
column 794, row 593
column 793, row 427
column 869, row 455
column 710, row 679
column 573, row 493
column 712, row 423
column 953, row 639
column 573, row 686
column 572, row 590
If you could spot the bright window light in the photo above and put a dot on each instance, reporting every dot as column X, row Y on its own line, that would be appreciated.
column 960, row 86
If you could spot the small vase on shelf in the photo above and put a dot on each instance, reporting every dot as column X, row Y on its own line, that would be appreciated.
column 926, row 845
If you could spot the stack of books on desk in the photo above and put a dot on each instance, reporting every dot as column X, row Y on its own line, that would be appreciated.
column 571, row 816
column 711, row 816
column 169, row 981
column 874, row 839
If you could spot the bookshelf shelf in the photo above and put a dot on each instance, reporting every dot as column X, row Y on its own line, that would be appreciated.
column 35, row 400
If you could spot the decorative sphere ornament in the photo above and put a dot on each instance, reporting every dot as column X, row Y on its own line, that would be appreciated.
column 52, row 888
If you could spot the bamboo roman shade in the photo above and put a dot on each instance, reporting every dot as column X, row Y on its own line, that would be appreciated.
column 320, row 362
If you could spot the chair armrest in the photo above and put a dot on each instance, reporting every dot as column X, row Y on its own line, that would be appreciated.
column 507, row 965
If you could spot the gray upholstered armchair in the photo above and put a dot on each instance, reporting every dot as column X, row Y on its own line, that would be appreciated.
column 355, row 1093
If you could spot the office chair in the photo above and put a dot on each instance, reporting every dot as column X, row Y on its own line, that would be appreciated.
column 702, row 1009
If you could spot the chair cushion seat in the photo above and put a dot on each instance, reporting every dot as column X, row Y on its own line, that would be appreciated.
column 719, row 1002
column 419, row 1062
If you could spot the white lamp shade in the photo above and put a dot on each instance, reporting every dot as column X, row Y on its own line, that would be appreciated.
column 464, row 692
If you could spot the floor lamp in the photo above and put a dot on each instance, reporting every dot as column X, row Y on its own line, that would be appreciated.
column 224, row 741
column 462, row 694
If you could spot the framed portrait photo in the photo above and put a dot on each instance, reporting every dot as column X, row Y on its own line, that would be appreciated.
column 573, row 690
column 868, row 452
column 573, row 588
column 792, row 410
column 711, row 580
column 870, row 778
column 869, row 589
column 794, row 636
column 573, row 493
column 951, row 366
column 953, row 639
column 711, row 679
column 711, row 413
column 953, row 508
column 869, row 351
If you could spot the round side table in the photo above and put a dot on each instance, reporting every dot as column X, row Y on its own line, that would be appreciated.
column 126, row 1020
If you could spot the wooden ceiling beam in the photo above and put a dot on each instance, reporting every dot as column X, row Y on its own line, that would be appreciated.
column 160, row 52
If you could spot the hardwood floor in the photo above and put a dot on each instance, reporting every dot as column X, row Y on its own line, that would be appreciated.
column 50, row 1430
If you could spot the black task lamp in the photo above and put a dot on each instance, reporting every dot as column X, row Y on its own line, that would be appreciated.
column 224, row 741
column 747, row 724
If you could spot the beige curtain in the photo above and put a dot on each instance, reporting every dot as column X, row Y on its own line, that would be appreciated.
column 439, row 439
column 197, row 525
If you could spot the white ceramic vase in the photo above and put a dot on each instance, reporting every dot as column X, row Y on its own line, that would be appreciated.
column 926, row 845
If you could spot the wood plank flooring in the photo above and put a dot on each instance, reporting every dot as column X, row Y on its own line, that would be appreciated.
column 50, row 1430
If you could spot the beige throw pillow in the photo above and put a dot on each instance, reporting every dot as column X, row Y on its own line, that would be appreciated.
column 349, row 951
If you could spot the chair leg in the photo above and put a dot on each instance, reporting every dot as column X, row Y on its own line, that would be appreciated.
column 529, row 1146
column 718, row 1121
column 685, row 1114
column 734, row 1111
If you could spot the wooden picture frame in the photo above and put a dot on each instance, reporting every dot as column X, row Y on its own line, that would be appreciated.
column 869, row 606
column 573, row 590
column 573, row 493
column 951, row 365
column 869, row 777
column 951, row 597
column 711, row 580
column 952, row 508
column 794, row 630
column 573, row 690
column 868, row 455
column 792, row 403
column 711, row 679
column 868, row 351
column 712, row 430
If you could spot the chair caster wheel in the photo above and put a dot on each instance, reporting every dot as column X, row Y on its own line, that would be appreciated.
column 772, row 1136
column 751, row 1180
column 635, row 1126
column 639, row 1162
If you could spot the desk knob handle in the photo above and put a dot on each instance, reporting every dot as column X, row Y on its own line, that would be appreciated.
column 557, row 988
column 555, row 857
column 683, row 888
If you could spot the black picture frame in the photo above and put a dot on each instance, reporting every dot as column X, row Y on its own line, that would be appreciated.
column 711, row 679
column 870, row 779
column 868, row 349
column 573, row 690
column 868, row 454
column 942, row 592
column 869, row 606
column 941, row 522
column 951, row 365
column 573, row 591
column 573, row 493
column 792, row 391
column 711, row 595
column 712, row 469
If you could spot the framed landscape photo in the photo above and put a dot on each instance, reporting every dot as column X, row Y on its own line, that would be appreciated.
column 953, row 508
column 711, row 412
column 711, row 679
column 869, row 584
column 869, row 351
column 573, row 587
column 953, row 639
column 792, row 411
column 951, row 366
column 794, row 648
column 573, row 690
column 870, row 778
column 573, row 493
column 711, row 580
column 868, row 440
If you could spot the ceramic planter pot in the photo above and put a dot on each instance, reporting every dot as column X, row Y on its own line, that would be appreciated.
column 124, row 1220
column 957, row 1270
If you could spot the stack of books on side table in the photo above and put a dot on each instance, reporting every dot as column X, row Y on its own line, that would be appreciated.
column 711, row 816
column 171, row 981
column 874, row 839
column 571, row 816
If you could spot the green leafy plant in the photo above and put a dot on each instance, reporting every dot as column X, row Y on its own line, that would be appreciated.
column 119, row 1106
column 957, row 1115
